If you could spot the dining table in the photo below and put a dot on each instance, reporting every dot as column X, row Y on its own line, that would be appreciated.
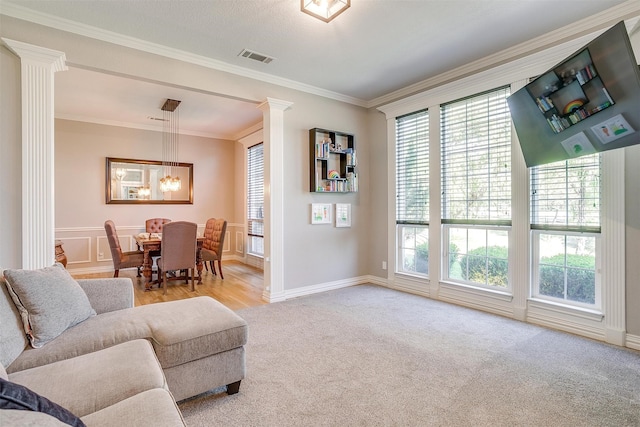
column 152, row 242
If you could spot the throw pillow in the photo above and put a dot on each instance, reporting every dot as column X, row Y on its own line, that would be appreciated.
column 49, row 300
column 16, row 396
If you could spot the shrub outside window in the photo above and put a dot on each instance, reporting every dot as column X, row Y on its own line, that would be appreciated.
column 478, row 256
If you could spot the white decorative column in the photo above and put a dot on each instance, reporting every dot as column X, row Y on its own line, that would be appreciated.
column 435, row 203
column 613, row 278
column 273, row 133
column 37, row 67
column 391, row 201
column 520, row 229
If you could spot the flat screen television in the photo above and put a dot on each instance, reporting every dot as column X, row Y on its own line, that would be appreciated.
column 588, row 103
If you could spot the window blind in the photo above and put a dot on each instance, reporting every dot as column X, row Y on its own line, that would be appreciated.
column 566, row 195
column 255, row 190
column 476, row 159
column 412, row 168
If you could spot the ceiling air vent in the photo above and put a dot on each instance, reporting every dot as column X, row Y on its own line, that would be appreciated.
column 255, row 56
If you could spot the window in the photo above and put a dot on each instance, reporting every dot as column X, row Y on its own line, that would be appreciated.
column 565, row 223
column 255, row 199
column 412, row 193
column 476, row 189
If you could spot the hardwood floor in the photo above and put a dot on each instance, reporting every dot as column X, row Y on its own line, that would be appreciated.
column 241, row 287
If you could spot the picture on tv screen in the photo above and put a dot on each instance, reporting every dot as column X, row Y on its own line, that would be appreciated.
column 588, row 103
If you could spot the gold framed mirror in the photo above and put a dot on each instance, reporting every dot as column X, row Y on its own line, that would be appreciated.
column 133, row 182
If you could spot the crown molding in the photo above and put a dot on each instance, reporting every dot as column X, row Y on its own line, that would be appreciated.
column 588, row 26
column 19, row 12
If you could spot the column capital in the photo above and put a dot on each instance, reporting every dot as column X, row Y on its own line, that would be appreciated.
column 37, row 54
column 275, row 104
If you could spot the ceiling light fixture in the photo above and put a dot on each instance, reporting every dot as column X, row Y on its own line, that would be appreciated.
column 324, row 10
column 170, row 135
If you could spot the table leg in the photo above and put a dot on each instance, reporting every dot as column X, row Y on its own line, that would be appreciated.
column 147, row 272
column 199, row 265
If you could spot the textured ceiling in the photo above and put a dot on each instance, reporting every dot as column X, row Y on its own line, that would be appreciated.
column 374, row 48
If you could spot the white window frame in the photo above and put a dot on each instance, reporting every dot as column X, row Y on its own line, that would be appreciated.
column 255, row 243
column 416, row 132
column 494, row 220
column 400, row 250
column 566, row 229
column 535, row 270
column 445, row 267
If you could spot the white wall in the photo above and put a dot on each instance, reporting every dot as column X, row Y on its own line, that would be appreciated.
column 10, row 161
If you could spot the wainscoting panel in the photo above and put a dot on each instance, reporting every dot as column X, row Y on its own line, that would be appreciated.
column 239, row 242
column 87, row 248
column 77, row 249
column 492, row 302
column 103, row 251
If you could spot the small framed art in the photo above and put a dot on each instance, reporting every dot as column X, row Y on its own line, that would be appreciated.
column 321, row 213
column 343, row 214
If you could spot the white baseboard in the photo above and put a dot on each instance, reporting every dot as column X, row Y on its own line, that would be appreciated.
column 323, row 287
column 633, row 341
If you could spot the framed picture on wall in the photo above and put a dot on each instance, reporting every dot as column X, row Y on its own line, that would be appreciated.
column 321, row 213
column 343, row 214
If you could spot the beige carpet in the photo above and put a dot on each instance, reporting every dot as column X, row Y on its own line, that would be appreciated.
column 370, row 356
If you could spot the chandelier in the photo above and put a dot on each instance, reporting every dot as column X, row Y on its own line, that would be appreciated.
column 120, row 174
column 170, row 141
column 144, row 192
column 324, row 10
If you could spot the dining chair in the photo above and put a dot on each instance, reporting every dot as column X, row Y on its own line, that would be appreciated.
column 121, row 259
column 178, row 252
column 154, row 225
column 214, row 233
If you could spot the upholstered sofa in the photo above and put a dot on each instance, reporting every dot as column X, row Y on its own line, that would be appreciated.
column 108, row 362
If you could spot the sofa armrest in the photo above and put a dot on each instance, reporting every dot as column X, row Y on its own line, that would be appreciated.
column 108, row 294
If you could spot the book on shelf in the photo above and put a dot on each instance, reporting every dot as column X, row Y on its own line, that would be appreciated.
column 322, row 150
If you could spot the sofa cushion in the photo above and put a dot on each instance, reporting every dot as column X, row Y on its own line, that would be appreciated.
column 49, row 301
column 13, row 340
column 150, row 408
column 91, row 382
column 180, row 331
column 16, row 396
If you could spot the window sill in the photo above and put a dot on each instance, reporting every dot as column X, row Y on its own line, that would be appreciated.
column 255, row 255
column 410, row 276
column 477, row 290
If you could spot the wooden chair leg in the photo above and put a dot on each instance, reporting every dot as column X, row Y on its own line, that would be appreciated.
column 193, row 279
column 164, row 283
column 205, row 266
column 116, row 273
column 220, row 268
column 213, row 267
